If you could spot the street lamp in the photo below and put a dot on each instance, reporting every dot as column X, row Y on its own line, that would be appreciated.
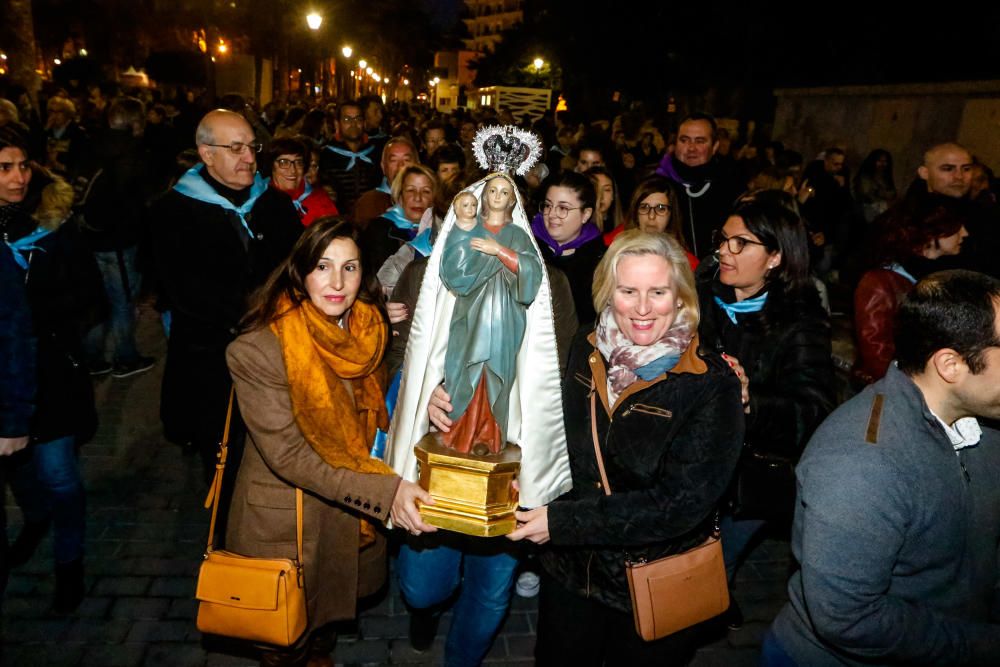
column 347, row 51
column 362, row 64
column 539, row 64
column 314, row 21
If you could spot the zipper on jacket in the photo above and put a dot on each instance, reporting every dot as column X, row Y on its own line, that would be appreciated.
column 965, row 471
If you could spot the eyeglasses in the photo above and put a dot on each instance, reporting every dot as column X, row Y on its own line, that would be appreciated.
column 560, row 211
column 285, row 164
column 237, row 147
column 736, row 244
column 654, row 209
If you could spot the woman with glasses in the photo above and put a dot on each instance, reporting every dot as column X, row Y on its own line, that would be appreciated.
column 762, row 312
column 568, row 238
column 653, row 209
column 288, row 161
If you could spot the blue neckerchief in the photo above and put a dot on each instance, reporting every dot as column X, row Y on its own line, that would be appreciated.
column 192, row 185
column 26, row 244
column 422, row 242
column 384, row 186
column 360, row 155
column 396, row 216
column 747, row 306
column 381, row 437
column 302, row 197
column 896, row 267
column 657, row 367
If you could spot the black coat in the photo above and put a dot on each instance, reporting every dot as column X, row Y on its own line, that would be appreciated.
column 66, row 295
column 380, row 240
column 669, row 450
column 579, row 268
column 786, row 352
column 206, row 268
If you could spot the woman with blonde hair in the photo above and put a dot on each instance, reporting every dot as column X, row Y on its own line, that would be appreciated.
column 669, row 422
column 414, row 190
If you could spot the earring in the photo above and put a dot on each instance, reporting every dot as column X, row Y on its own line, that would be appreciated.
column 680, row 304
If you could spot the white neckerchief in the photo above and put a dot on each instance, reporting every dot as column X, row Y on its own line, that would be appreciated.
column 965, row 432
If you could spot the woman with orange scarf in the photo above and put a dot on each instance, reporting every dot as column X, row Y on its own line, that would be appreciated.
column 310, row 385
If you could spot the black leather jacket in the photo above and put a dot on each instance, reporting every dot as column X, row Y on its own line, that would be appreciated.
column 670, row 447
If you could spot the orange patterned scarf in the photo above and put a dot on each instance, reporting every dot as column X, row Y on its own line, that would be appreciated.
column 319, row 355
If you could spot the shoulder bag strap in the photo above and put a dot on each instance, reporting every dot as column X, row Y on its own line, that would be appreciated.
column 215, row 489
column 597, row 445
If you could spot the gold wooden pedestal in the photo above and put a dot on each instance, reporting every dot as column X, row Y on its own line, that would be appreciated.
column 472, row 494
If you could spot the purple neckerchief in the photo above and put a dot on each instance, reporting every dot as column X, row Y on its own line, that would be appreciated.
column 588, row 232
column 668, row 170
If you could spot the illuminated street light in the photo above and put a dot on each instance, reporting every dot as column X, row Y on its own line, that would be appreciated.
column 83, row 52
column 377, row 78
column 314, row 20
column 368, row 71
column 347, row 51
column 406, row 82
column 222, row 47
column 362, row 64
column 57, row 61
column 539, row 64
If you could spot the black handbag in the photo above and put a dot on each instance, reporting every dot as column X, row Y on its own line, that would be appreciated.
column 764, row 487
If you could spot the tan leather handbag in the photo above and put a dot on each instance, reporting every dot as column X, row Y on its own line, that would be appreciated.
column 257, row 599
column 674, row 592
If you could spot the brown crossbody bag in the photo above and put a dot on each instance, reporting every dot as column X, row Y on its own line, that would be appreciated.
column 257, row 599
column 675, row 592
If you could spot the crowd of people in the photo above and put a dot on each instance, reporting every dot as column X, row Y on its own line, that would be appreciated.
column 690, row 282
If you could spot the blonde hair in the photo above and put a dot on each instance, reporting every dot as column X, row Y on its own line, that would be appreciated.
column 634, row 243
column 397, row 183
column 55, row 205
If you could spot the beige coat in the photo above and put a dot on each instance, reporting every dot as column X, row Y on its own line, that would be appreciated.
column 277, row 459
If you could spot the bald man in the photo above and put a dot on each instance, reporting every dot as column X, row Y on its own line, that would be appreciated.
column 215, row 237
column 947, row 170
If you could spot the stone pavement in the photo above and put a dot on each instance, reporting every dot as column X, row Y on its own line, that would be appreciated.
column 145, row 537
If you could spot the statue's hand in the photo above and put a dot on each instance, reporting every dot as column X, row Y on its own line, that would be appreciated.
column 485, row 246
column 438, row 409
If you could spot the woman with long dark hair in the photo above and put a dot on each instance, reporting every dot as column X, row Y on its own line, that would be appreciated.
column 759, row 308
column 310, row 382
column 874, row 189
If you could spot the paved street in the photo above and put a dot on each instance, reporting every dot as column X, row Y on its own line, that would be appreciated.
column 146, row 534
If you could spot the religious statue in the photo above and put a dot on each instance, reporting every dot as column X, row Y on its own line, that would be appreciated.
column 483, row 328
column 494, row 273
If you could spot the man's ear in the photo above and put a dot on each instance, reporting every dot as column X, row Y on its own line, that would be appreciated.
column 922, row 172
column 948, row 364
column 206, row 154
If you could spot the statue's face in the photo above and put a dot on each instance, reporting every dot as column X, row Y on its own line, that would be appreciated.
column 465, row 207
column 499, row 194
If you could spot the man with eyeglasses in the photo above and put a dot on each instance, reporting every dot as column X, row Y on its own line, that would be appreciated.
column 215, row 237
column 348, row 163
column 706, row 188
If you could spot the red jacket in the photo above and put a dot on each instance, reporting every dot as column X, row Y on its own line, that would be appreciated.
column 876, row 301
column 317, row 205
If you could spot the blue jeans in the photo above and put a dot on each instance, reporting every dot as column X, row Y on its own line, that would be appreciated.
column 772, row 653
column 49, row 482
column 120, row 325
column 484, row 568
column 736, row 537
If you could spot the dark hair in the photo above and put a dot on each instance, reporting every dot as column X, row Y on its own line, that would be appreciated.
column 868, row 169
column 12, row 136
column 286, row 146
column 431, row 125
column 833, row 150
column 447, row 154
column 707, row 117
column 904, row 230
column 771, row 216
column 652, row 185
column 578, row 183
column 349, row 103
column 289, row 279
column 948, row 309
column 615, row 212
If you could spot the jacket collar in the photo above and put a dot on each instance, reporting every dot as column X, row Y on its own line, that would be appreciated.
column 689, row 362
